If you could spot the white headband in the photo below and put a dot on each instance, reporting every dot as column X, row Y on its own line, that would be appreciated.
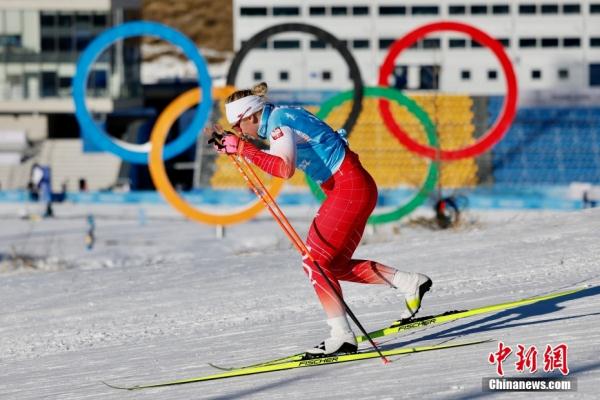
column 243, row 107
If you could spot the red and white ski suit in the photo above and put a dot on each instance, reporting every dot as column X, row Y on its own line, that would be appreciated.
column 339, row 224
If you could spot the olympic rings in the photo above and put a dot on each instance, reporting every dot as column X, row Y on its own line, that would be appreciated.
column 494, row 134
column 131, row 152
column 159, row 175
column 155, row 152
column 325, row 36
column 432, row 174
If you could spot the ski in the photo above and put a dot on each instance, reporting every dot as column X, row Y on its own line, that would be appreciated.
column 399, row 326
column 364, row 355
column 422, row 322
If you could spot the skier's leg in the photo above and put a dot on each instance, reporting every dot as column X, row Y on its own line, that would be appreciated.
column 330, row 235
column 337, row 228
column 341, row 339
column 412, row 285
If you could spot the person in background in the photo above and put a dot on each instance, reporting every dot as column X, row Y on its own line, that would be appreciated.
column 41, row 179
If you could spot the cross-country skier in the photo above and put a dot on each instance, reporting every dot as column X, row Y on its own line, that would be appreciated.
column 299, row 139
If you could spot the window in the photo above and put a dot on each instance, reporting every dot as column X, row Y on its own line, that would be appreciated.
column 594, row 74
column 457, row 43
column 64, row 86
column 549, row 8
column 100, row 20
column 385, row 43
column 65, row 43
column 65, row 20
column 527, row 9
column 401, row 77
column 392, row 10
column 478, row 9
column 253, row 11
column 536, row 74
column 527, row 42
column 360, row 43
column 98, row 79
column 457, row 10
column 549, row 42
column 465, row 75
column 81, row 41
column 49, row 84
column 505, row 41
column 360, row 10
column 262, row 45
column 425, row 10
column 316, row 11
column 82, row 19
column 339, row 10
column 285, row 11
column 48, row 44
column 48, row 20
column 571, row 8
column 10, row 40
column 500, row 9
column 317, row 44
column 432, row 43
column 286, row 44
column 492, row 74
column 284, row 76
column 563, row 74
column 571, row 42
column 475, row 44
column 257, row 75
column 64, row 82
column 429, row 77
column 326, row 75
column 595, row 8
column 595, row 42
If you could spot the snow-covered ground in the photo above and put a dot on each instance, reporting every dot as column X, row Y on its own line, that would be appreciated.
column 159, row 297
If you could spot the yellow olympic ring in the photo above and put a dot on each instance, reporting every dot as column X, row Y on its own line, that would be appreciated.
column 159, row 174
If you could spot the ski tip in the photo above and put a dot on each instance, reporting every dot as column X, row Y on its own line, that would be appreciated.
column 116, row 387
column 219, row 367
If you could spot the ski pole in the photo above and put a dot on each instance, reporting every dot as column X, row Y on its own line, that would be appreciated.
column 261, row 191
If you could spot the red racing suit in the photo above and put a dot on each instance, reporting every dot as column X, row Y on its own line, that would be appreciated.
column 339, row 224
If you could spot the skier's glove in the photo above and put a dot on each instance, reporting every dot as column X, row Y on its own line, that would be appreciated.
column 224, row 142
column 230, row 144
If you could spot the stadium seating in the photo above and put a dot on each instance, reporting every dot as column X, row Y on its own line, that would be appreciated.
column 548, row 145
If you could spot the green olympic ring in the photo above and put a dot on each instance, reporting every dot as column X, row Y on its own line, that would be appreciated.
column 432, row 174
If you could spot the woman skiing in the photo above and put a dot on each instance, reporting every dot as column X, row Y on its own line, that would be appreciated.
column 298, row 139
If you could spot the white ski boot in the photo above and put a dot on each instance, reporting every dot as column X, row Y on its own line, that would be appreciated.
column 341, row 341
column 414, row 286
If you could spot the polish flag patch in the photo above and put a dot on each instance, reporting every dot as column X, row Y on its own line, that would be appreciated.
column 276, row 134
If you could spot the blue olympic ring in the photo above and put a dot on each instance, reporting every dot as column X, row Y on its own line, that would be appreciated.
column 136, row 153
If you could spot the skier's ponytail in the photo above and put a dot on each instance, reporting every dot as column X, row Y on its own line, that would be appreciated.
column 259, row 89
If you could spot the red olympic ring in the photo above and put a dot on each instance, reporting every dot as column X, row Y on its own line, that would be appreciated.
column 509, row 107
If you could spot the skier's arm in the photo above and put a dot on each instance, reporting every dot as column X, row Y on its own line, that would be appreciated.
column 280, row 161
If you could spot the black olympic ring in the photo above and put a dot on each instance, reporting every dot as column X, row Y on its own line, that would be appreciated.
column 325, row 36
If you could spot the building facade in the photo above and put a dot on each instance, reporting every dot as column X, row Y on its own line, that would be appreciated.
column 40, row 43
column 552, row 44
